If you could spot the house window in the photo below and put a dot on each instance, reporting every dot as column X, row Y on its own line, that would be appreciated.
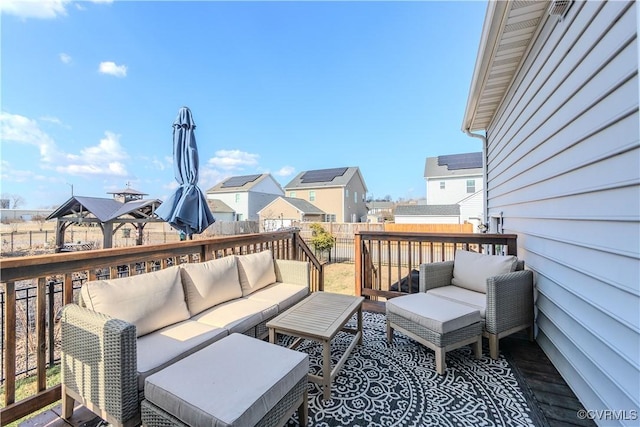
column 471, row 186
column 292, row 194
column 330, row 218
column 346, row 193
column 442, row 185
column 237, row 197
column 312, row 196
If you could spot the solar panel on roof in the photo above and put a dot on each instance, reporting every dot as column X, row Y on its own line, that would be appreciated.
column 322, row 175
column 461, row 161
column 239, row 181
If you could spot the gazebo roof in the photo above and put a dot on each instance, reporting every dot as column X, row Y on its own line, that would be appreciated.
column 128, row 191
column 105, row 209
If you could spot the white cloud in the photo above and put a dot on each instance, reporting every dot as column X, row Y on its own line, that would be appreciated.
column 65, row 58
column 285, row 171
column 106, row 158
column 208, row 177
column 171, row 185
column 16, row 128
column 110, row 67
column 233, row 159
column 9, row 174
column 38, row 9
column 154, row 163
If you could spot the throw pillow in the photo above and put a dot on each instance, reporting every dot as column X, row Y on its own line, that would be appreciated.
column 210, row 283
column 471, row 269
column 150, row 301
column 256, row 271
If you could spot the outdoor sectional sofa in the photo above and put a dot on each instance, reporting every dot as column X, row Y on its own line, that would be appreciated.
column 121, row 331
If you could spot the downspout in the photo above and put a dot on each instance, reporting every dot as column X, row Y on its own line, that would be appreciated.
column 485, row 209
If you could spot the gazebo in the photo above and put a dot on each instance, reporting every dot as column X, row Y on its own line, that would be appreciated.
column 109, row 214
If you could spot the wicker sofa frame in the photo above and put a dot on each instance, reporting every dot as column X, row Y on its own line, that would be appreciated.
column 99, row 357
column 509, row 303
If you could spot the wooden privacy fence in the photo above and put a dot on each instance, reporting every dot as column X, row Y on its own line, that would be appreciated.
column 35, row 287
column 429, row 228
column 387, row 262
column 344, row 229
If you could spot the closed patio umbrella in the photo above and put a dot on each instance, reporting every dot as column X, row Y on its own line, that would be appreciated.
column 186, row 209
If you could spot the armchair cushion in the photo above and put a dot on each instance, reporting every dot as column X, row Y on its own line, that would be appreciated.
column 149, row 301
column 210, row 283
column 471, row 270
column 473, row 299
column 256, row 271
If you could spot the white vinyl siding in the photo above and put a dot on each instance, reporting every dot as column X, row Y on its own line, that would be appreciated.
column 563, row 167
column 449, row 191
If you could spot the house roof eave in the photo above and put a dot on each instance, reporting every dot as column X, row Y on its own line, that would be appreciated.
column 502, row 19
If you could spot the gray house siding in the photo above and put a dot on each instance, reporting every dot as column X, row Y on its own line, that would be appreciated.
column 257, row 201
column 563, row 171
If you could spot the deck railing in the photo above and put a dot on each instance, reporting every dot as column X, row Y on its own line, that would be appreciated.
column 36, row 287
column 387, row 263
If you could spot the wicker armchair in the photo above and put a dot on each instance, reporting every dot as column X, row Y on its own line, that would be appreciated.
column 507, row 306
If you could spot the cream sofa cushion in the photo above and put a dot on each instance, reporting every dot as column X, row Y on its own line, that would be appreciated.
column 239, row 315
column 434, row 313
column 235, row 381
column 473, row 299
column 471, row 270
column 150, row 301
column 210, row 283
column 256, row 271
column 166, row 346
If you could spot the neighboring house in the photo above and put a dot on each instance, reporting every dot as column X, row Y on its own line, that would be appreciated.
column 246, row 194
column 453, row 177
column 339, row 192
column 221, row 211
column 555, row 101
column 284, row 211
column 378, row 211
column 381, row 208
column 471, row 210
column 427, row 214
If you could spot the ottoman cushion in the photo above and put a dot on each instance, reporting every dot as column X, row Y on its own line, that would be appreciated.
column 234, row 381
column 437, row 314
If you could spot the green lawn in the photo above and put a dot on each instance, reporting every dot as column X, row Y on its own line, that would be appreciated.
column 28, row 387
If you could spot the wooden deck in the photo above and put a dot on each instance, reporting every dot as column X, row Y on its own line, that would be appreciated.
column 547, row 393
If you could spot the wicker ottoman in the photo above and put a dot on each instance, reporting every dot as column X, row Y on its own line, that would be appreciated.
column 237, row 381
column 437, row 323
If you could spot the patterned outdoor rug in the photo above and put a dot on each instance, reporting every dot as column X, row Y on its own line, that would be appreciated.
column 397, row 385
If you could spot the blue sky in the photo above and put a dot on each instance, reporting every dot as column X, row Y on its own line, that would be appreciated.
column 89, row 91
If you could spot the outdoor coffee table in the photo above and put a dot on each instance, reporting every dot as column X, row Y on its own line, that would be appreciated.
column 319, row 317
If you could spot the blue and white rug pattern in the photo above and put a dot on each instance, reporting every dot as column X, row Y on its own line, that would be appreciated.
column 397, row 385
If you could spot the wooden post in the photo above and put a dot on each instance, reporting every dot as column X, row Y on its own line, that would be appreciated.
column 10, row 340
column 41, row 333
column 107, row 235
column 359, row 264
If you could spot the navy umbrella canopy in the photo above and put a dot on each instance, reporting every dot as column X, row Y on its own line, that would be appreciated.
column 186, row 209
